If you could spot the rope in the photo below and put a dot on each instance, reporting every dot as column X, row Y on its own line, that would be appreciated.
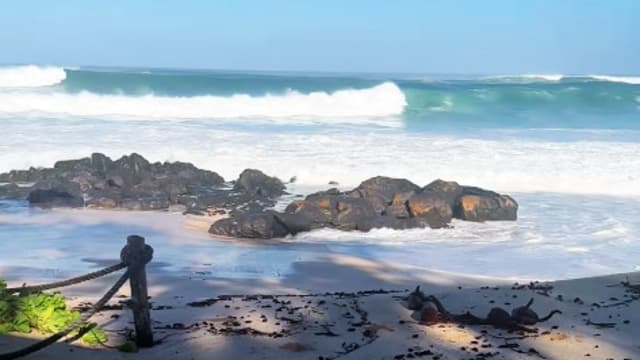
column 76, row 324
column 72, row 281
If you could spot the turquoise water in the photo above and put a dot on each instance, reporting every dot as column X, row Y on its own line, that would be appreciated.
column 433, row 102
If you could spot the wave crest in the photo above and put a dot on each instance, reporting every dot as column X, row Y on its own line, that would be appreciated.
column 634, row 80
column 30, row 76
column 527, row 78
column 383, row 100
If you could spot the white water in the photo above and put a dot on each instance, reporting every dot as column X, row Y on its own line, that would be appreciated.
column 373, row 105
column 558, row 235
column 580, row 201
column 345, row 155
column 622, row 79
column 530, row 77
column 30, row 76
column 634, row 80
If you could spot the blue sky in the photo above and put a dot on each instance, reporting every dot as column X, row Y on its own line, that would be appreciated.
column 413, row 36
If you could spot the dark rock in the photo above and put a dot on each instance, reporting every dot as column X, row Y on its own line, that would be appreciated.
column 12, row 191
column 385, row 203
column 449, row 191
column 430, row 208
column 399, row 207
column 380, row 190
column 385, row 186
column 133, row 169
column 214, row 199
column 253, row 226
column 335, row 209
column 188, row 172
column 353, row 213
column 255, row 182
column 115, row 181
column 73, row 165
column 134, row 183
column 477, row 204
column 377, row 201
column 329, row 192
column 22, row 176
column 319, row 208
column 54, row 198
column 294, row 223
column 386, row 221
column 101, row 163
column 314, row 212
column 130, row 182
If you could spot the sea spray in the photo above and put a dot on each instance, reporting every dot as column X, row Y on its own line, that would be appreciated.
column 30, row 76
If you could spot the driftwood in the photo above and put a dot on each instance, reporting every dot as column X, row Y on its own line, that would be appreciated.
column 497, row 317
column 524, row 315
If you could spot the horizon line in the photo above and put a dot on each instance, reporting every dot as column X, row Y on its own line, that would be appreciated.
column 316, row 72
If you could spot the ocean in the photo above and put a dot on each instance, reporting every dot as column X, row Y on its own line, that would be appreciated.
column 567, row 147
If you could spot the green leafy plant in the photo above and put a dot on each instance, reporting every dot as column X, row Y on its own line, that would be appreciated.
column 47, row 313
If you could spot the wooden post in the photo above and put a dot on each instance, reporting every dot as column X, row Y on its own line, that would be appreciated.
column 137, row 256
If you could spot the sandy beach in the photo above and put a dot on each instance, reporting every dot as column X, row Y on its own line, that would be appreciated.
column 352, row 308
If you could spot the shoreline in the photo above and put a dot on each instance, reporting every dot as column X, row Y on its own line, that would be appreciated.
column 64, row 250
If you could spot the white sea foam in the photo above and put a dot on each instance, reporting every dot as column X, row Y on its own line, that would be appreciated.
column 376, row 103
column 316, row 157
column 555, row 237
column 30, row 76
column 546, row 77
column 447, row 105
column 635, row 80
column 526, row 77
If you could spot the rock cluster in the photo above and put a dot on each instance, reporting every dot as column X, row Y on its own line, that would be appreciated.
column 377, row 202
column 133, row 183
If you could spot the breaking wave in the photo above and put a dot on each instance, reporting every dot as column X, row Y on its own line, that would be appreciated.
column 526, row 78
column 30, row 76
column 384, row 100
column 635, row 80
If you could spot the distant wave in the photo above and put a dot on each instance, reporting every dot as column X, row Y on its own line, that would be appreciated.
column 525, row 78
column 383, row 100
column 30, row 76
column 635, row 80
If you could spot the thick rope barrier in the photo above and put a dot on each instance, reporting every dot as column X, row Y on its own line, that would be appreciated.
column 68, row 282
column 75, row 325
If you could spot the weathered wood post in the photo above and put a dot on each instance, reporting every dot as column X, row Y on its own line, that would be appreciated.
column 136, row 254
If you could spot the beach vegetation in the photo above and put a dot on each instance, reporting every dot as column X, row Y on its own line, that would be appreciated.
column 46, row 313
